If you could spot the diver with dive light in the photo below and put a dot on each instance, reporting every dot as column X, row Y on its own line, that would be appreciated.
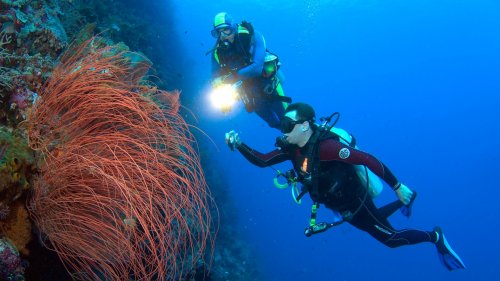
column 242, row 68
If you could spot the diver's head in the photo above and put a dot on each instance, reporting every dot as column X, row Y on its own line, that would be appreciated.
column 298, row 123
column 224, row 29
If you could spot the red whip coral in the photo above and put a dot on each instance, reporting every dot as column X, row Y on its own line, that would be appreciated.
column 121, row 193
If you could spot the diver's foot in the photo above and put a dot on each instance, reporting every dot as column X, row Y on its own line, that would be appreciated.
column 448, row 257
column 406, row 210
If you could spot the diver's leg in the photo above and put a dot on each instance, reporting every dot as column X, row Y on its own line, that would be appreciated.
column 371, row 221
column 278, row 109
column 270, row 111
column 389, row 209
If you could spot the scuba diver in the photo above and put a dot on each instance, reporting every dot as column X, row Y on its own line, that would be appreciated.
column 325, row 167
column 240, row 55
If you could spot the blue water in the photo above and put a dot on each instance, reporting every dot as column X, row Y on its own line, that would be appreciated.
column 417, row 82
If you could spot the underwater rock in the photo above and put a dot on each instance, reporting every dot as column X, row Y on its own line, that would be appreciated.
column 16, row 165
column 22, row 98
column 44, row 31
column 13, row 3
column 17, row 227
column 11, row 267
column 22, row 17
column 31, row 39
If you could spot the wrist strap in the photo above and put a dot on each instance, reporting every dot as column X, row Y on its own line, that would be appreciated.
column 397, row 186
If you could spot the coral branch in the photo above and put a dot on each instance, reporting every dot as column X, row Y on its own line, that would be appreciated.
column 5, row 39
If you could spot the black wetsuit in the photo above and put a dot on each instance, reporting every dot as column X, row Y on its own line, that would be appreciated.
column 339, row 187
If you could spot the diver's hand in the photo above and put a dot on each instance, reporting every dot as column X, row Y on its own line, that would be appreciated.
column 233, row 140
column 217, row 81
column 404, row 194
column 223, row 79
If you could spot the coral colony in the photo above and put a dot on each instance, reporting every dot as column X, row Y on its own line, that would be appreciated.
column 112, row 171
column 95, row 149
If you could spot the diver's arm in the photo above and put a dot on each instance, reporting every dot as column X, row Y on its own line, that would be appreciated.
column 260, row 159
column 255, row 68
column 332, row 150
column 216, row 69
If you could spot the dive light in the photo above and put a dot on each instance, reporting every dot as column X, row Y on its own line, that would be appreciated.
column 317, row 228
column 224, row 96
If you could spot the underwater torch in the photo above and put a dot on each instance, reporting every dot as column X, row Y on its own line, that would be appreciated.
column 224, row 96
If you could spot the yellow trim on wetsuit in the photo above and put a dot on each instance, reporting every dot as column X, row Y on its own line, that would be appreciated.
column 216, row 57
column 280, row 91
column 242, row 29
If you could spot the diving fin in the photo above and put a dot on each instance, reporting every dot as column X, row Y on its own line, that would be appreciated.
column 406, row 210
column 448, row 257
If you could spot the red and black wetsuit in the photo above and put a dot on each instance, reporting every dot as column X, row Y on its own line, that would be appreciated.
column 340, row 189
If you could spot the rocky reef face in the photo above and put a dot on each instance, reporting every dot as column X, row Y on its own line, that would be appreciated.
column 31, row 39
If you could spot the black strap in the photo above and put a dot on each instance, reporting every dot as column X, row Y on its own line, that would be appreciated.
column 279, row 98
column 313, row 154
column 353, row 141
column 245, row 49
column 302, row 193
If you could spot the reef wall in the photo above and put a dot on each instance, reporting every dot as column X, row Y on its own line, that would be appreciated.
column 33, row 35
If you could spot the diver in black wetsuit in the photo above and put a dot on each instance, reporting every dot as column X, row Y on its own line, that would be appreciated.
column 325, row 167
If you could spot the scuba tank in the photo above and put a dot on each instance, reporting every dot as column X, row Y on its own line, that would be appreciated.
column 367, row 177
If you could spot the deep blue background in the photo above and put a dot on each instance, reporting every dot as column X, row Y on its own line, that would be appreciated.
column 417, row 82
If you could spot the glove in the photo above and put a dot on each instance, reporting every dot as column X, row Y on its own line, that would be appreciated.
column 224, row 79
column 217, row 81
column 404, row 194
column 233, row 140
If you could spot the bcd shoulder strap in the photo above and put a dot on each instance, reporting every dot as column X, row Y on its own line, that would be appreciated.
column 312, row 157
